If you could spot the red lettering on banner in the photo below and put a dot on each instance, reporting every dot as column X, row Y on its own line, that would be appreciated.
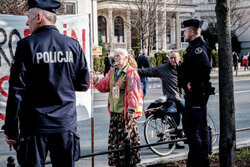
column 64, row 31
column 26, row 32
column 5, row 78
column 73, row 35
column 2, row 117
column 83, row 40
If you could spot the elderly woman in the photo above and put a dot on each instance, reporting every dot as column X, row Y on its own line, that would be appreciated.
column 125, row 96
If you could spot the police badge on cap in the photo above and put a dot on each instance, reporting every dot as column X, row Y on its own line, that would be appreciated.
column 193, row 23
column 49, row 5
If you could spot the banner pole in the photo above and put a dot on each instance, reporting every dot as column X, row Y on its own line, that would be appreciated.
column 92, row 140
column 92, row 87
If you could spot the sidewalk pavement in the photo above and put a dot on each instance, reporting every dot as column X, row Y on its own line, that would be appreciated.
column 173, row 157
column 240, row 72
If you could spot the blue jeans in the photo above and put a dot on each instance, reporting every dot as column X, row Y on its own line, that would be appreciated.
column 144, row 81
column 180, row 111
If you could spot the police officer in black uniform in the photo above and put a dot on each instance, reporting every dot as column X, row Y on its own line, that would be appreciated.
column 47, row 69
column 197, row 68
column 107, row 64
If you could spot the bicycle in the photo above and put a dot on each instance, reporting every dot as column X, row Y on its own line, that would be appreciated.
column 160, row 126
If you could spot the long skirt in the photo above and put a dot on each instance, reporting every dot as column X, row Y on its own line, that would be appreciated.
column 118, row 131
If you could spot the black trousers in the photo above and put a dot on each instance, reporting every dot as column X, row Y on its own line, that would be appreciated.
column 64, row 149
column 197, row 132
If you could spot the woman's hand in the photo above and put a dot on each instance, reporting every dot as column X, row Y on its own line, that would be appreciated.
column 94, row 78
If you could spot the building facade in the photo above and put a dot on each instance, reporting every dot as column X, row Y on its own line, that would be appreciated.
column 114, row 23
column 112, row 20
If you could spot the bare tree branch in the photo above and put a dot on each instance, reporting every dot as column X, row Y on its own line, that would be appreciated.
column 144, row 14
column 13, row 7
column 239, row 21
column 20, row 7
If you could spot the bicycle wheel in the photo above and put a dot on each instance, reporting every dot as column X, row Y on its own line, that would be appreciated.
column 158, row 130
column 211, row 123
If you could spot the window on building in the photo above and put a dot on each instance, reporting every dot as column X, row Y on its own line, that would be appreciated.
column 102, row 28
column 168, row 38
column 182, row 36
column 70, row 8
column 182, row 33
column 168, row 33
column 119, row 30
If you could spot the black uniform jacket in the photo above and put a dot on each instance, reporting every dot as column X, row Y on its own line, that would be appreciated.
column 143, row 61
column 107, row 64
column 197, row 66
column 47, row 69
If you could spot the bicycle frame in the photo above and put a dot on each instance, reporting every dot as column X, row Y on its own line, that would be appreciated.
column 156, row 115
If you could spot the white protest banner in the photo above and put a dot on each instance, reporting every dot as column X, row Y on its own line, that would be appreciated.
column 13, row 28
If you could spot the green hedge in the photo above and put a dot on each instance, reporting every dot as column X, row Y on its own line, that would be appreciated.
column 153, row 61
column 182, row 53
column 159, row 56
column 157, row 60
column 215, row 58
column 98, row 64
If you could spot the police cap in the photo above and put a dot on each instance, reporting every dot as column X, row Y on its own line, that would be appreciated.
column 49, row 5
column 193, row 23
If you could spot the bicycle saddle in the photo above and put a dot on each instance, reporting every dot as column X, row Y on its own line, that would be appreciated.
column 162, row 99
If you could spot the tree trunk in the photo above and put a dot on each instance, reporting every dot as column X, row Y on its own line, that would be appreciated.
column 227, row 144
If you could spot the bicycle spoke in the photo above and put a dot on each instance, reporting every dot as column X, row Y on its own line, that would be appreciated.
column 156, row 130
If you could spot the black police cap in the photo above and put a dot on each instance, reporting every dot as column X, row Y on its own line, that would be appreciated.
column 49, row 5
column 193, row 23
